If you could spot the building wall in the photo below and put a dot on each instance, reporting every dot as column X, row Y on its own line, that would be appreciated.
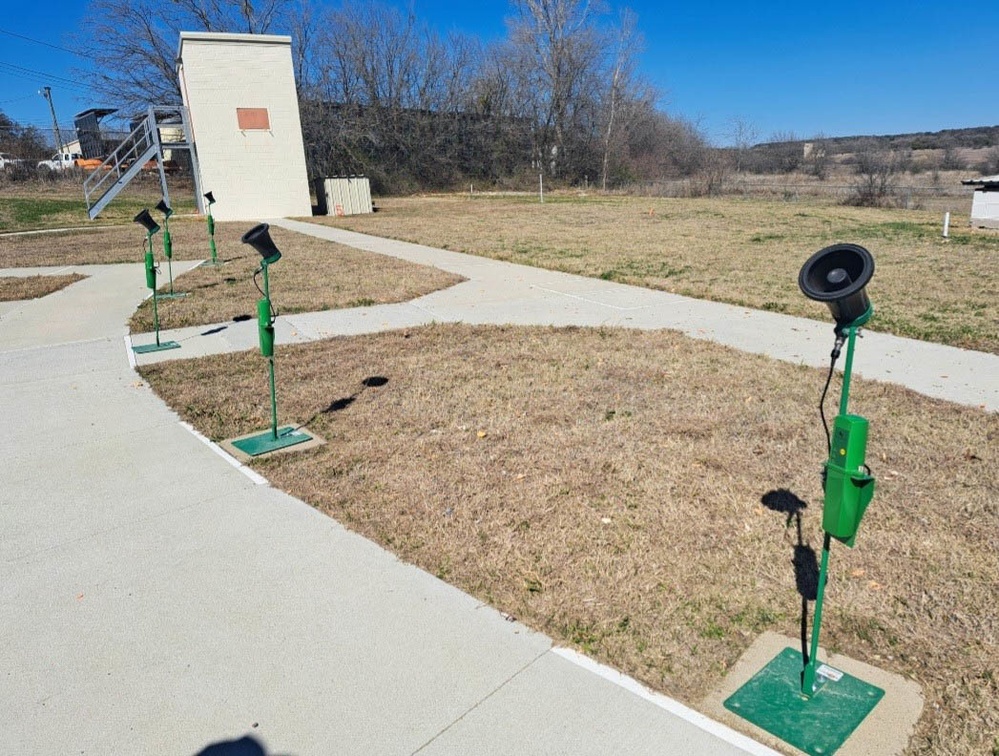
column 985, row 208
column 240, row 91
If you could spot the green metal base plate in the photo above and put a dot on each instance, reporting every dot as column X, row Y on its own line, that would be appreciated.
column 772, row 700
column 174, row 295
column 265, row 442
column 146, row 348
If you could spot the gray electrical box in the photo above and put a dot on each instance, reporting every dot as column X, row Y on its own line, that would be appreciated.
column 343, row 196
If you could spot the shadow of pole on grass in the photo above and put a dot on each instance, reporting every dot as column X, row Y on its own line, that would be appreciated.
column 372, row 381
column 805, row 561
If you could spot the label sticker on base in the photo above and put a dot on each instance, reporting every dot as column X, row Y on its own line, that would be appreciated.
column 833, row 675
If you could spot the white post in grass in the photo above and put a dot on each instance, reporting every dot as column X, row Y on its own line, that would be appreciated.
column 946, row 224
column 541, row 186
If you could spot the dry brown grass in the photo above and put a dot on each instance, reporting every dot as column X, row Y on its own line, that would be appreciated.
column 620, row 491
column 311, row 275
column 104, row 245
column 18, row 288
column 743, row 251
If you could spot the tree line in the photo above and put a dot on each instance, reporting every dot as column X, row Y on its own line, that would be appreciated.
column 383, row 94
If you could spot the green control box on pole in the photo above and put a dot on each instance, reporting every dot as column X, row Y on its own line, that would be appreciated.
column 145, row 220
column 276, row 438
column 806, row 703
column 848, row 488
column 168, row 245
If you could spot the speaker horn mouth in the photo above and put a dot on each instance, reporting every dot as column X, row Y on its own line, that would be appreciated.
column 836, row 272
column 837, row 275
column 144, row 219
column 259, row 238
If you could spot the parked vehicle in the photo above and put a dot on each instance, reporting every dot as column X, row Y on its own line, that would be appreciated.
column 9, row 161
column 62, row 161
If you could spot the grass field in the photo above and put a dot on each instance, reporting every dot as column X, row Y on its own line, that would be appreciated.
column 311, row 275
column 60, row 203
column 633, row 495
column 649, row 499
column 18, row 288
column 743, row 251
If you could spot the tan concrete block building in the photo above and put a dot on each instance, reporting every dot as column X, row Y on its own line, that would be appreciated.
column 240, row 92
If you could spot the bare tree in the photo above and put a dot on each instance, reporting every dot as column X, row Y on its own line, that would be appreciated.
column 134, row 42
column 557, row 49
column 817, row 160
column 876, row 167
column 785, row 152
column 743, row 135
column 621, row 90
column 390, row 98
column 26, row 142
column 990, row 165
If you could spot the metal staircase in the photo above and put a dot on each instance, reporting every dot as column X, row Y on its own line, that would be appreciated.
column 141, row 146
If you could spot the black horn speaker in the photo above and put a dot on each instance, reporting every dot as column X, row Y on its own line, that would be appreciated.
column 838, row 275
column 164, row 208
column 210, row 197
column 146, row 220
column 259, row 238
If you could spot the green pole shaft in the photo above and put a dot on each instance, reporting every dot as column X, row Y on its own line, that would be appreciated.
column 274, row 434
column 156, row 317
column 847, row 369
column 808, row 676
column 270, row 360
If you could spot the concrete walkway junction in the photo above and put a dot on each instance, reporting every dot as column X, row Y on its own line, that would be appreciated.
column 157, row 597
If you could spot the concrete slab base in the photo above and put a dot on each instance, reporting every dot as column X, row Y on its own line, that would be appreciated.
column 229, row 445
column 885, row 731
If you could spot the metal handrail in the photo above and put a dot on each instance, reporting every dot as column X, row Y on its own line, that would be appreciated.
column 142, row 144
column 135, row 145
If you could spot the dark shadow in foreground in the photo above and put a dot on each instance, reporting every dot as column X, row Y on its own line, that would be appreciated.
column 804, row 559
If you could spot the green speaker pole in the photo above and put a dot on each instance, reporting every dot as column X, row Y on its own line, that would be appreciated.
column 813, row 706
column 848, row 491
column 145, row 220
column 265, row 318
column 276, row 438
column 211, row 228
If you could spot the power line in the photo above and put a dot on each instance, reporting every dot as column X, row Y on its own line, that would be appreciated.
column 22, row 71
column 45, row 44
column 17, row 99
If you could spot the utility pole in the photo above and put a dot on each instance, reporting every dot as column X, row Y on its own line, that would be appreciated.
column 47, row 94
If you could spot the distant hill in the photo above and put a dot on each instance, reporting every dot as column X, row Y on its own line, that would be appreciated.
column 977, row 137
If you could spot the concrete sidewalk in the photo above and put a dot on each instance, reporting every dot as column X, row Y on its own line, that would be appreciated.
column 505, row 293
column 157, row 598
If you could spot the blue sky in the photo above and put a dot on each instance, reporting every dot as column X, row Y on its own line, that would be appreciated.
column 837, row 69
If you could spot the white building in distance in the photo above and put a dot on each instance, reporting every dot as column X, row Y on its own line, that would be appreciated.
column 240, row 92
column 985, row 205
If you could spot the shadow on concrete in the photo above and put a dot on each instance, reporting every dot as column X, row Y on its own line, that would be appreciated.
column 803, row 559
column 245, row 746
